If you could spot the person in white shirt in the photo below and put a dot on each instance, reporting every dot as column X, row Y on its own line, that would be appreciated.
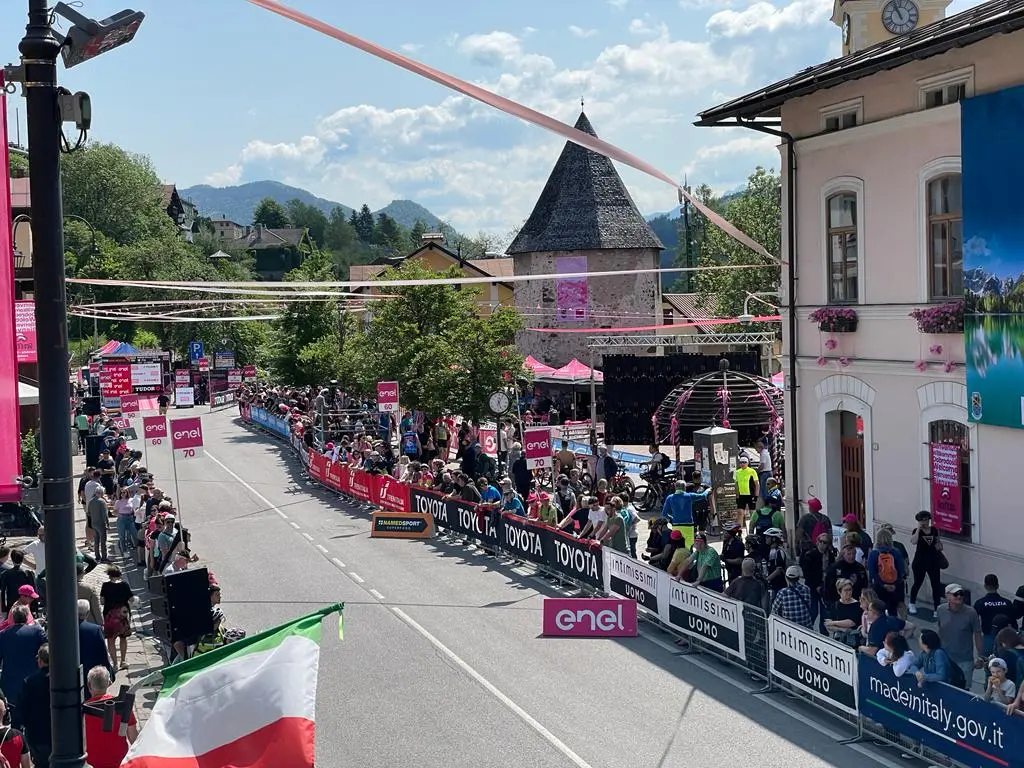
column 896, row 654
column 36, row 551
column 999, row 689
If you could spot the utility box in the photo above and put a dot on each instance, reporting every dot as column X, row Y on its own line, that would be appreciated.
column 715, row 453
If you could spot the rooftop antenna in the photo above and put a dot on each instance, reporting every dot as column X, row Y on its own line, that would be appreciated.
column 581, row 103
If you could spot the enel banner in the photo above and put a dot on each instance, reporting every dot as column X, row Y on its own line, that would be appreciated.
column 589, row 617
column 10, row 449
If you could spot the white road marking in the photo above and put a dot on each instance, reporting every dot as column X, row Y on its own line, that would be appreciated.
column 259, row 496
column 376, row 594
column 295, row 525
column 356, row 577
column 322, row 549
column 521, row 713
column 337, row 562
column 307, row 537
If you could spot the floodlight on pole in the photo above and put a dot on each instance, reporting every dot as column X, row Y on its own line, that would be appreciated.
column 89, row 38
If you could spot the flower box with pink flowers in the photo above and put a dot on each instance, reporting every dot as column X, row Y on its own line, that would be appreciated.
column 940, row 318
column 835, row 319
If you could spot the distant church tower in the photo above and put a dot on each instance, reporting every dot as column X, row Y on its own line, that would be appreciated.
column 585, row 221
column 867, row 22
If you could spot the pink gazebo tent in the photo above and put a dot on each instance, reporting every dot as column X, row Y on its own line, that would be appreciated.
column 538, row 368
column 574, row 372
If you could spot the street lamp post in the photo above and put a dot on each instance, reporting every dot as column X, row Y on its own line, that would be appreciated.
column 47, row 110
column 39, row 52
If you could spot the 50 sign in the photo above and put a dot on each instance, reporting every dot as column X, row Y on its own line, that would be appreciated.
column 187, row 438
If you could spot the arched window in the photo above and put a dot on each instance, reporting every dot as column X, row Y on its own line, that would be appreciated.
column 843, row 253
column 952, row 464
column 945, row 236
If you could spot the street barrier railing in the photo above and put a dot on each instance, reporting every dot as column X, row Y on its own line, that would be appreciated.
column 223, row 399
column 940, row 723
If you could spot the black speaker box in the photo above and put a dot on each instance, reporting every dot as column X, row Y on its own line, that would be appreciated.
column 181, row 605
column 93, row 445
column 91, row 406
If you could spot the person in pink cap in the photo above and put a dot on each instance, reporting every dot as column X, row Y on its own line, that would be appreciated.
column 811, row 526
column 26, row 594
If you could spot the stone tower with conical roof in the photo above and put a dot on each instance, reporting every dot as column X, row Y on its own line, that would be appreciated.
column 585, row 221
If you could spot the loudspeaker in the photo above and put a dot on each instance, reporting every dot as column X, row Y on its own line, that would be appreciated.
column 181, row 605
column 93, row 445
column 91, row 406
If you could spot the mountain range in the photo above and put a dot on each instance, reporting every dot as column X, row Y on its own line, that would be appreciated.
column 238, row 202
column 982, row 282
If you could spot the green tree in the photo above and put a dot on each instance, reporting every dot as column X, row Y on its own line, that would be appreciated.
column 389, row 234
column 302, row 323
column 758, row 213
column 431, row 340
column 364, row 223
column 144, row 339
column 419, row 229
column 309, row 217
column 31, row 465
column 340, row 234
column 17, row 164
column 118, row 192
column 270, row 214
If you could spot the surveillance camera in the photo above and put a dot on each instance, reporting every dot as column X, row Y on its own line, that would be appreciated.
column 745, row 319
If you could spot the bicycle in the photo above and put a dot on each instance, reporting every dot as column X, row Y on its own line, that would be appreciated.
column 650, row 495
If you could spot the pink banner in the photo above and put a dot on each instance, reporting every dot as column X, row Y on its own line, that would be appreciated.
column 391, row 494
column 10, row 428
column 589, row 617
column 947, row 505
column 25, row 331
column 514, row 109
column 572, row 295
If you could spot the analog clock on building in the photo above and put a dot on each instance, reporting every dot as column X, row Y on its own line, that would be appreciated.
column 900, row 16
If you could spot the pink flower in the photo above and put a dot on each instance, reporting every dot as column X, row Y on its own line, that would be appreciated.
column 831, row 344
column 726, row 424
column 822, row 361
column 935, row 349
column 949, row 366
column 921, row 365
column 844, row 361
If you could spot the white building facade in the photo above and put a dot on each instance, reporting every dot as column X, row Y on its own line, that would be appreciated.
column 872, row 212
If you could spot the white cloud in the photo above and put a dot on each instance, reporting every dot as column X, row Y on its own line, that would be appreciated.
column 411, row 47
column 764, row 17
column 620, row 4
column 576, row 31
column 483, row 170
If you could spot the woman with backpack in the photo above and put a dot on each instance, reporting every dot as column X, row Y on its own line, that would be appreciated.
column 887, row 572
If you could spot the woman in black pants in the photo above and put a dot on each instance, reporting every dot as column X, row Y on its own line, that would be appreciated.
column 927, row 556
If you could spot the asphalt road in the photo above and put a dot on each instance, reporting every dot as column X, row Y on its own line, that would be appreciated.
column 442, row 662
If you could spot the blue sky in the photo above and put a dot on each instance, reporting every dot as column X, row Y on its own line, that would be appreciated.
column 223, row 92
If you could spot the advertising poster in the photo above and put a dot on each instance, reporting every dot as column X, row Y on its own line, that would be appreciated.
column 572, row 295
column 813, row 663
column 25, row 331
column 632, row 579
column 947, row 499
column 10, row 450
column 147, row 375
column 971, row 731
column 387, row 396
column 993, row 257
column 707, row 616
column 537, row 445
column 116, row 379
column 187, row 438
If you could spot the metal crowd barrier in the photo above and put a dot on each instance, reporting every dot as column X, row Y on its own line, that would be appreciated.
column 938, row 722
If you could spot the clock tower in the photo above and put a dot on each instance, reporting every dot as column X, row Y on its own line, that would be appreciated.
column 866, row 22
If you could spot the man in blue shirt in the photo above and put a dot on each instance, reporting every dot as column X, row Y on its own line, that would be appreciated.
column 678, row 508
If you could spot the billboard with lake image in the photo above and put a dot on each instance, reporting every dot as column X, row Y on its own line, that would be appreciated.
column 992, row 157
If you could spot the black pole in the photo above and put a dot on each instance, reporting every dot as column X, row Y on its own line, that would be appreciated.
column 39, row 52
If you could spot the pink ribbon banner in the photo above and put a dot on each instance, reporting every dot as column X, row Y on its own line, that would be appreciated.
column 514, row 109
column 10, row 446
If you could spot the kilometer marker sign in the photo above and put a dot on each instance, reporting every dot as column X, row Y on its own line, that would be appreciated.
column 187, row 438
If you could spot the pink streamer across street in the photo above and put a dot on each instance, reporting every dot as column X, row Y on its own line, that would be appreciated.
column 605, row 331
column 514, row 109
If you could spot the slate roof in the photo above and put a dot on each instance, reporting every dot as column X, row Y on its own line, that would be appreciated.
column 482, row 267
column 691, row 308
column 584, row 206
column 271, row 238
column 971, row 26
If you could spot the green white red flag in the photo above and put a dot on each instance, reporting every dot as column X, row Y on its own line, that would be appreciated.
column 249, row 704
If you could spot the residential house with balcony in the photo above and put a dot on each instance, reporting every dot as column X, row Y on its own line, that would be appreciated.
column 877, row 419
column 276, row 251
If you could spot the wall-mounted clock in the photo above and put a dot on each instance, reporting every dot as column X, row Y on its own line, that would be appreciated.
column 900, row 16
column 499, row 402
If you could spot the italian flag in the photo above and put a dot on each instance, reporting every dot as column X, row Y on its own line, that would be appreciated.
column 250, row 704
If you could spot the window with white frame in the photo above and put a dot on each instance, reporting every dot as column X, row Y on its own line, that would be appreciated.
column 945, row 88
column 839, row 117
column 945, row 237
column 843, row 247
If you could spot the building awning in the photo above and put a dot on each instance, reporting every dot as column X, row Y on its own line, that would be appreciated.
column 27, row 394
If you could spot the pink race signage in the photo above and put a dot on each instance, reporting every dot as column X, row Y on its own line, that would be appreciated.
column 10, row 449
column 187, row 438
column 589, row 617
column 488, row 440
column 25, row 331
column 129, row 403
column 387, row 396
column 537, row 445
column 154, row 429
column 947, row 504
